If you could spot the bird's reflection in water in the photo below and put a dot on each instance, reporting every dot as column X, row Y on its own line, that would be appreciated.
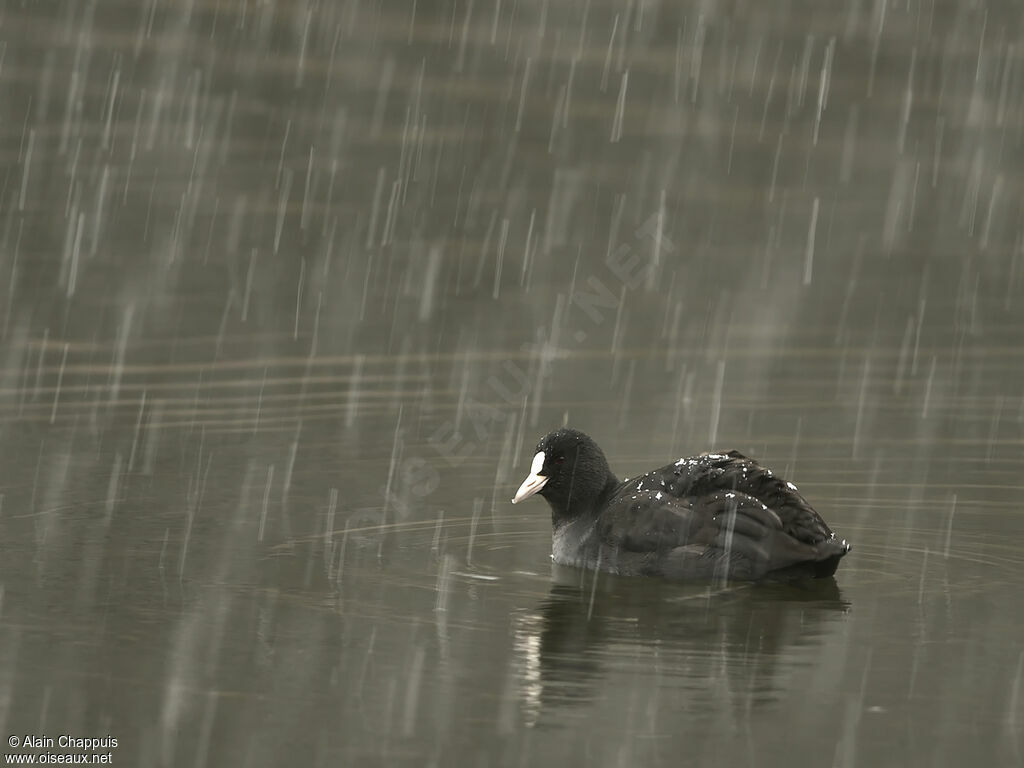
column 727, row 642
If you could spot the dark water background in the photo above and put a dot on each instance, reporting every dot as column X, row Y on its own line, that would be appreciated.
column 289, row 290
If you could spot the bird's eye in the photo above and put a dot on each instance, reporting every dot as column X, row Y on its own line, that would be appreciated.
column 559, row 459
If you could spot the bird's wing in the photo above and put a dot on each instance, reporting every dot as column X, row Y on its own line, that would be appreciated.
column 648, row 521
column 714, row 473
column 726, row 533
column 651, row 521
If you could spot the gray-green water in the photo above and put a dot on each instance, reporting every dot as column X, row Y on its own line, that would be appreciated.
column 291, row 289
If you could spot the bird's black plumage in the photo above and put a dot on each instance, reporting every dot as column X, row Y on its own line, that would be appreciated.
column 717, row 515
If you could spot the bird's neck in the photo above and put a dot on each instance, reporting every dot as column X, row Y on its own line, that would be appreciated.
column 582, row 505
column 608, row 491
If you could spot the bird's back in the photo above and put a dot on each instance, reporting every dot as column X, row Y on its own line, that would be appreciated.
column 714, row 514
column 711, row 473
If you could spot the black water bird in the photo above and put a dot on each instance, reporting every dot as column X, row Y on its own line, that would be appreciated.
column 713, row 516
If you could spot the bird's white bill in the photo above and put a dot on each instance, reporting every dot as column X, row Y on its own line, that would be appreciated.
column 534, row 481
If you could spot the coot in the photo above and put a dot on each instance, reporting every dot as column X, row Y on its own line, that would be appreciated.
column 713, row 516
